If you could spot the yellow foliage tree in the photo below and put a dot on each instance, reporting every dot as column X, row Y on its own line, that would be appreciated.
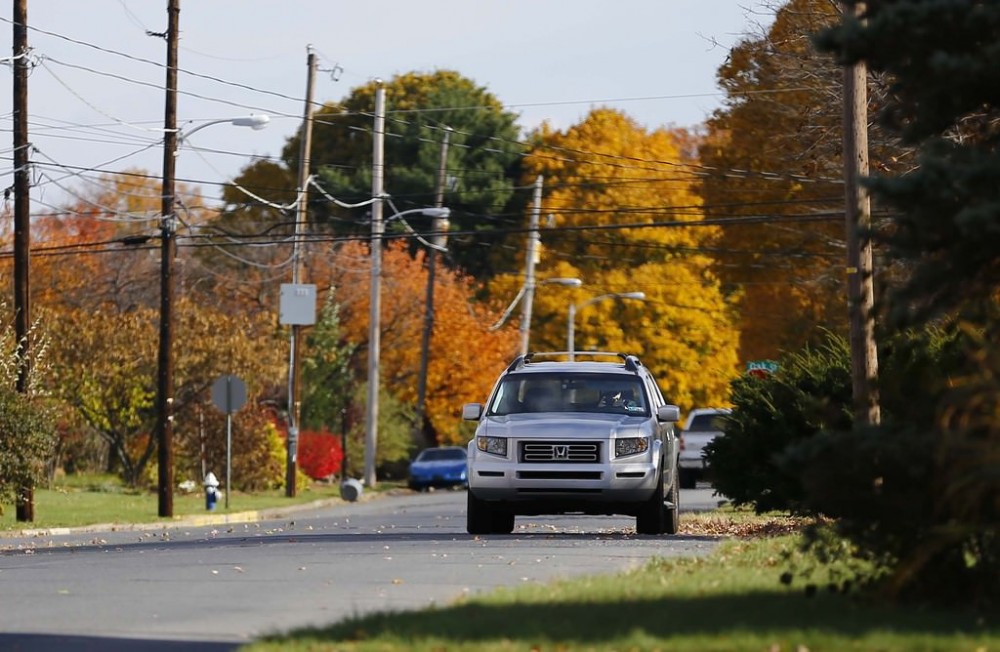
column 774, row 171
column 623, row 216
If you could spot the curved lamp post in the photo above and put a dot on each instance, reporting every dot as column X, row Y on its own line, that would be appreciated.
column 374, row 330
column 254, row 121
column 529, row 298
column 165, row 361
column 573, row 307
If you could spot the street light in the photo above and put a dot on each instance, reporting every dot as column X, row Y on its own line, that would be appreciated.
column 529, row 297
column 374, row 332
column 573, row 307
column 165, row 361
column 254, row 121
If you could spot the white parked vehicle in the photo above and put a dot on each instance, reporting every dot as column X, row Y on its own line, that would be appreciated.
column 702, row 426
column 590, row 436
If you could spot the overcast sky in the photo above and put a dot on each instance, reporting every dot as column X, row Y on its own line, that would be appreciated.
column 96, row 100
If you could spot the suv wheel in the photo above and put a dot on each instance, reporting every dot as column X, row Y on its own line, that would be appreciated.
column 479, row 516
column 483, row 519
column 503, row 522
column 672, row 508
column 650, row 519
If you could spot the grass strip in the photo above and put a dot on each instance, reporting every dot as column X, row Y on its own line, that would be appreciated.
column 730, row 601
column 78, row 501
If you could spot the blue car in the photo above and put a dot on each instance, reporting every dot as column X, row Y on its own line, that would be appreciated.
column 445, row 466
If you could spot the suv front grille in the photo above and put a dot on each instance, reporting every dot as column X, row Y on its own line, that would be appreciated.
column 566, row 452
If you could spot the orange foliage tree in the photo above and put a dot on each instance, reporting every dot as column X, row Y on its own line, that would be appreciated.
column 465, row 355
column 97, row 294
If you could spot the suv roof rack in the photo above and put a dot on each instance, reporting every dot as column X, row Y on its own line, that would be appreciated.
column 631, row 362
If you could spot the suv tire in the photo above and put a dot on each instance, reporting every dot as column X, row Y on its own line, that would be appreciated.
column 672, row 519
column 481, row 518
column 651, row 518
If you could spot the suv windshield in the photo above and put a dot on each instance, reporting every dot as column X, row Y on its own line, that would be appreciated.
column 707, row 422
column 576, row 392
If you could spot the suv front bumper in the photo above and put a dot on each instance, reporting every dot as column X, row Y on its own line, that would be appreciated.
column 576, row 486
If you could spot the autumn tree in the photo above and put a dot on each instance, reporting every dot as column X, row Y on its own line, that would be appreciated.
column 27, row 424
column 107, row 372
column 242, row 254
column 624, row 217
column 773, row 173
column 96, row 284
column 461, row 325
column 421, row 108
column 942, row 58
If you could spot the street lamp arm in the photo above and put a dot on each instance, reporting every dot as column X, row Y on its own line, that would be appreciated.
column 568, row 282
column 573, row 307
column 434, row 212
column 639, row 296
column 254, row 121
column 438, row 213
column 506, row 314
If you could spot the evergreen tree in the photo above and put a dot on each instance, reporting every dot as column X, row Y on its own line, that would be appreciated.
column 944, row 62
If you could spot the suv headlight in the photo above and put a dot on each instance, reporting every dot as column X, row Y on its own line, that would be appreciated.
column 492, row 445
column 631, row 446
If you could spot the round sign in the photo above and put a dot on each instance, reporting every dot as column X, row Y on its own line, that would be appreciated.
column 229, row 394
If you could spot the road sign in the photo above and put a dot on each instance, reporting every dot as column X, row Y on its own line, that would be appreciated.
column 229, row 394
column 761, row 368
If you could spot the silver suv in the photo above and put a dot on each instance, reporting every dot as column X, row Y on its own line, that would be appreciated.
column 593, row 437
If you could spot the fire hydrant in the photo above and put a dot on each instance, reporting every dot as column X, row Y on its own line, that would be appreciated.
column 211, row 491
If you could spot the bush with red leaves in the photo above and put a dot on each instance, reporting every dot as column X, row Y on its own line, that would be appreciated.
column 319, row 453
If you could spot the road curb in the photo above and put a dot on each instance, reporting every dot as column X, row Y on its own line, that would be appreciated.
column 190, row 520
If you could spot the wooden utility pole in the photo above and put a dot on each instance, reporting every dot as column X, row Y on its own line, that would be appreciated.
column 860, row 266
column 440, row 238
column 168, row 227
column 529, row 266
column 22, row 226
column 301, row 209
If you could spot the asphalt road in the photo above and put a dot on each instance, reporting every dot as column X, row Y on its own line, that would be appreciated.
column 213, row 587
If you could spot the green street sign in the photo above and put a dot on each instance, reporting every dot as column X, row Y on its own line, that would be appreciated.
column 761, row 368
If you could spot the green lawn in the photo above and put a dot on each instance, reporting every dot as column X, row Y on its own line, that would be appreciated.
column 88, row 500
column 730, row 601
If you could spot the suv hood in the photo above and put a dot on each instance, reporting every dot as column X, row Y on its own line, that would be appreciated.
column 562, row 426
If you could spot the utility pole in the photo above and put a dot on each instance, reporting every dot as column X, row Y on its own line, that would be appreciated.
column 529, row 266
column 440, row 231
column 860, row 267
column 375, row 309
column 22, row 226
column 168, row 226
column 301, row 209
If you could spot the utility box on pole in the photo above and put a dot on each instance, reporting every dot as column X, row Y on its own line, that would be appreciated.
column 298, row 304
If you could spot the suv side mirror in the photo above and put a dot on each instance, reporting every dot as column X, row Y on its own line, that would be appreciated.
column 472, row 411
column 670, row 413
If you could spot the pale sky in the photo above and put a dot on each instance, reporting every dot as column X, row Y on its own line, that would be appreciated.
column 96, row 100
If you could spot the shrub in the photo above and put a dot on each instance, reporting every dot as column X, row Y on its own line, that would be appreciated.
column 914, row 499
column 319, row 454
column 27, row 422
column 809, row 393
